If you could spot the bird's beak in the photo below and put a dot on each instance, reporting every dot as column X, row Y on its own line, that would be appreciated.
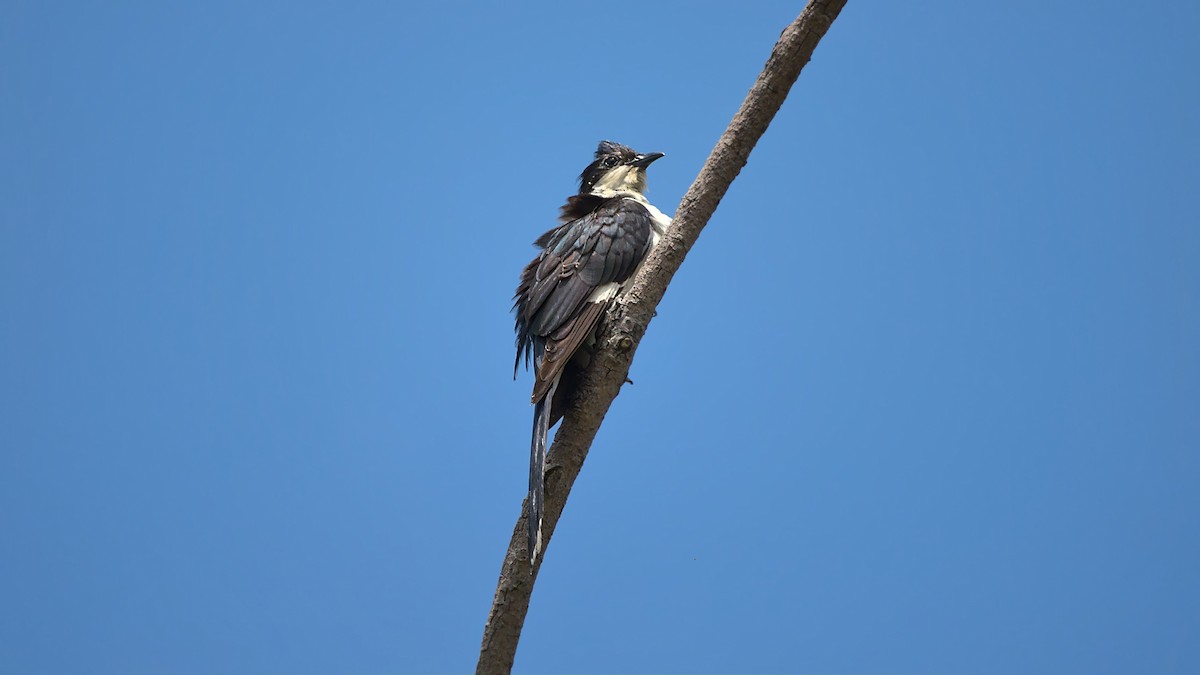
column 644, row 161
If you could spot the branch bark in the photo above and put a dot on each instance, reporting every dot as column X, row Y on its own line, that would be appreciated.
column 626, row 322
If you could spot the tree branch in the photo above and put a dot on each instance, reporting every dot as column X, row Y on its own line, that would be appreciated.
column 626, row 322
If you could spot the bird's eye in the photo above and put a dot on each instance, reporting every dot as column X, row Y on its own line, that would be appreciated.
column 610, row 161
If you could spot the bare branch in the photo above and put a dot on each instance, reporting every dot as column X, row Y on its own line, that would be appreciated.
column 627, row 320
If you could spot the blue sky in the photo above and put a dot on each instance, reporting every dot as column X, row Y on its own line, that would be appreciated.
column 924, row 398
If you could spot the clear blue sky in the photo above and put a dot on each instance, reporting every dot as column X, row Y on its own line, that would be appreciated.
column 925, row 398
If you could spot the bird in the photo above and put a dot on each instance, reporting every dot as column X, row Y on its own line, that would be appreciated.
column 605, row 232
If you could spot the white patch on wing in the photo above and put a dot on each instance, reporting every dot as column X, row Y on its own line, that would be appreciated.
column 604, row 292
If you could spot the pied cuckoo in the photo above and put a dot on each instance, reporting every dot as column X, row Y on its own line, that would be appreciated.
column 604, row 233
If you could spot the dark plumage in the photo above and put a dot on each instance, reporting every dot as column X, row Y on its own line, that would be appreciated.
column 599, row 247
column 605, row 232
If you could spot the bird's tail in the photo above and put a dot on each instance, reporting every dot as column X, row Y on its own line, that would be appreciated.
column 537, row 470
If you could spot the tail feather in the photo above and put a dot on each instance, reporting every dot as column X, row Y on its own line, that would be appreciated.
column 537, row 472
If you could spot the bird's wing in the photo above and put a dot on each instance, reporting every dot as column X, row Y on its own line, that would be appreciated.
column 554, row 314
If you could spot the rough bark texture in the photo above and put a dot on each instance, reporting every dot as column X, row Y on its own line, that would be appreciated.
column 626, row 322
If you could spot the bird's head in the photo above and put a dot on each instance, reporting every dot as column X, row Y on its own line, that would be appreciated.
column 617, row 168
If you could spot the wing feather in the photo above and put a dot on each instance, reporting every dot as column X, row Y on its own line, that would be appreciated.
column 553, row 315
column 562, row 345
